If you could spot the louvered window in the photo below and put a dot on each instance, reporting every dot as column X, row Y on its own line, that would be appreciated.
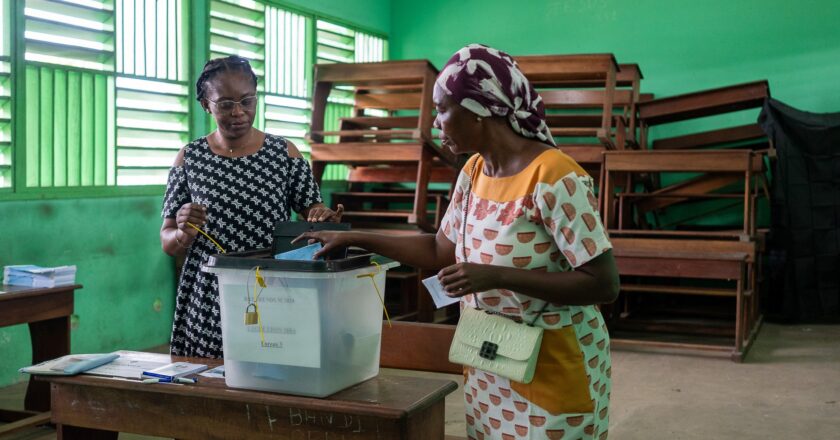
column 107, row 87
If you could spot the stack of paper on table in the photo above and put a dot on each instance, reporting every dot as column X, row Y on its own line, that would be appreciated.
column 70, row 364
column 37, row 276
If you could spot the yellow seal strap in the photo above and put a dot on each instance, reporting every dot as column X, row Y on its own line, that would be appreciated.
column 372, row 280
column 208, row 237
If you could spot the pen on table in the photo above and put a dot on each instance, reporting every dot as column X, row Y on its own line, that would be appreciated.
column 177, row 380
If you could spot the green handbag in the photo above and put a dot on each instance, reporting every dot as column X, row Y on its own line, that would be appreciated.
column 496, row 344
column 493, row 342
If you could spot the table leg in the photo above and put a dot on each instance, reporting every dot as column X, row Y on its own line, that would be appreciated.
column 426, row 424
column 50, row 339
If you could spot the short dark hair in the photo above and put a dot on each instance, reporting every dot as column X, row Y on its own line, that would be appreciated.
column 216, row 66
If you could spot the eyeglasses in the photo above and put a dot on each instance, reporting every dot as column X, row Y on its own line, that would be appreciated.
column 227, row 105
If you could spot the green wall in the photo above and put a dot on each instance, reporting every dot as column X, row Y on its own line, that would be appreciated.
column 681, row 46
column 128, row 296
column 373, row 15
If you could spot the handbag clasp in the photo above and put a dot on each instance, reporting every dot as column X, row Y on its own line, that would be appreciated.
column 488, row 350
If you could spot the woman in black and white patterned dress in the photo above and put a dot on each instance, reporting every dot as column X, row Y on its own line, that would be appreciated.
column 235, row 184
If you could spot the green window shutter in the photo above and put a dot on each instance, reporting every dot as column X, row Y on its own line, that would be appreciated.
column 237, row 27
column 5, row 97
column 286, row 54
column 287, row 110
column 5, row 122
column 370, row 48
column 150, row 39
column 5, row 29
column 336, row 44
column 151, row 94
column 70, row 33
column 288, row 117
column 67, row 139
column 152, row 124
column 69, row 113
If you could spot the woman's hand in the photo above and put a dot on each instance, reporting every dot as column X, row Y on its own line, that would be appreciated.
column 464, row 278
column 189, row 213
column 330, row 240
column 320, row 213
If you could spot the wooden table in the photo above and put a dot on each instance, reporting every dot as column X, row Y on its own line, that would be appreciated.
column 388, row 406
column 47, row 311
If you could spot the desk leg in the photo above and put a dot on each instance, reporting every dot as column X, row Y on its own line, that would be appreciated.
column 427, row 424
column 50, row 339
column 66, row 432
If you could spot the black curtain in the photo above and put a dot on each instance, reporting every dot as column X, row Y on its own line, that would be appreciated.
column 802, row 270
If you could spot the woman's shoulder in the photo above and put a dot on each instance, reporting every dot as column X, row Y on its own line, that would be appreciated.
column 286, row 146
column 189, row 149
column 553, row 165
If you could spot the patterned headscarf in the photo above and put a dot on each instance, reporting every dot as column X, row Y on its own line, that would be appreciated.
column 488, row 82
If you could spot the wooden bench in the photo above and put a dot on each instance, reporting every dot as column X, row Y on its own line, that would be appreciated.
column 727, row 255
column 378, row 144
column 662, row 266
column 706, row 103
column 721, row 168
column 419, row 346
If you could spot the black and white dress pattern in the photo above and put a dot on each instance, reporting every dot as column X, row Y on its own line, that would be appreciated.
column 245, row 197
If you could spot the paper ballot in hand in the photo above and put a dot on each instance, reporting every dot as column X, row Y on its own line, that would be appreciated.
column 438, row 294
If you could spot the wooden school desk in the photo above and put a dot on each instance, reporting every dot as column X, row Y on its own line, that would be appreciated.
column 388, row 406
column 47, row 311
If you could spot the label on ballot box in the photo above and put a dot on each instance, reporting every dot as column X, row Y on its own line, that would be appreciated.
column 287, row 329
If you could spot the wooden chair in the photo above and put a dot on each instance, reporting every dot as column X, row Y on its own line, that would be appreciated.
column 389, row 148
column 579, row 92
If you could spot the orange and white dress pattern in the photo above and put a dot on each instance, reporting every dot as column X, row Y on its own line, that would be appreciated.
column 543, row 218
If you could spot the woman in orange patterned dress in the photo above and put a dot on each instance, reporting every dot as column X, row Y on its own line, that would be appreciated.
column 522, row 238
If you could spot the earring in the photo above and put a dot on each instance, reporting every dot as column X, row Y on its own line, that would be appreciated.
column 478, row 119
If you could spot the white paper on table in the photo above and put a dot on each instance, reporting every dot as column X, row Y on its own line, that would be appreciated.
column 131, row 364
column 438, row 294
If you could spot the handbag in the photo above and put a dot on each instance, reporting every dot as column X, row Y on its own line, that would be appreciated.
column 493, row 342
column 496, row 344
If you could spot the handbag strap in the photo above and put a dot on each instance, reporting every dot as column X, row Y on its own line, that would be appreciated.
column 464, row 243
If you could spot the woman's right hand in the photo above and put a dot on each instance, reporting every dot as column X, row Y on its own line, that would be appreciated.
column 330, row 240
column 189, row 213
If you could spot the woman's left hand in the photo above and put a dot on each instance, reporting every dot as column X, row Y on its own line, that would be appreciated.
column 464, row 278
column 320, row 213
